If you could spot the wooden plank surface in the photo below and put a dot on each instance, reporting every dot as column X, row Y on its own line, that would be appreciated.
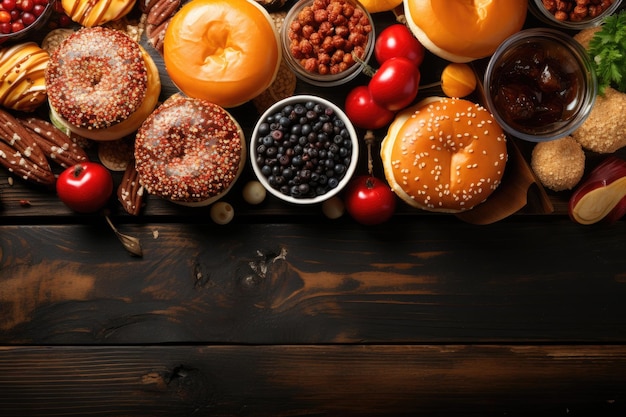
column 344, row 380
column 433, row 280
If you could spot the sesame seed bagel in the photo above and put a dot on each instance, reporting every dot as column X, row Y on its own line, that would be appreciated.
column 22, row 67
column 189, row 151
column 90, row 13
column 444, row 155
column 101, row 84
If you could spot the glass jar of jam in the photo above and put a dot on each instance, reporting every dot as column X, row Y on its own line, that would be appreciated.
column 540, row 85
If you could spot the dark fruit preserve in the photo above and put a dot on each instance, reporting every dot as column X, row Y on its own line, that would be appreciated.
column 536, row 86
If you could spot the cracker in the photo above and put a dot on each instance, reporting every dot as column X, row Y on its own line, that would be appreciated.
column 116, row 154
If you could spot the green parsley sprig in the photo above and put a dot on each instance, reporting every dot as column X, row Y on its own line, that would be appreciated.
column 607, row 49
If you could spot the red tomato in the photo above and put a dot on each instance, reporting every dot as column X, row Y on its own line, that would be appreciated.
column 364, row 112
column 395, row 84
column 369, row 200
column 397, row 40
column 85, row 187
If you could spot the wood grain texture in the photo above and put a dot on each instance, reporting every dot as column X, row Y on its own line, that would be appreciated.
column 404, row 282
column 441, row 380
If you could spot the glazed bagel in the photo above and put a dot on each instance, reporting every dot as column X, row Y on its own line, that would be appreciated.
column 461, row 30
column 91, row 13
column 223, row 51
column 189, row 151
column 101, row 84
column 444, row 155
column 22, row 67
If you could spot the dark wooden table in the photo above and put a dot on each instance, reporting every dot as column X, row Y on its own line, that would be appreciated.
column 284, row 312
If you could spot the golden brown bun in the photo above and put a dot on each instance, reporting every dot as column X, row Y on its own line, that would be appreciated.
column 444, row 155
column 59, row 82
column 223, row 51
column 462, row 31
column 22, row 67
column 90, row 13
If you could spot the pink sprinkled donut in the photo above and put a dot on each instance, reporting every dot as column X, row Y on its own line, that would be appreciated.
column 189, row 151
column 99, row 78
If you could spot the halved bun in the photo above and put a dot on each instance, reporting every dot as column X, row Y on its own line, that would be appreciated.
column 444, row 155
column 223, row 51
column 463, row 31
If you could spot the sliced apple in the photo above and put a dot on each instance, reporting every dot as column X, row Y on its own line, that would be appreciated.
column 602, row 196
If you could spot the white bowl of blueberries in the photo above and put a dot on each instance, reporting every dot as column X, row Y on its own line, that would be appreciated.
column 304, row 150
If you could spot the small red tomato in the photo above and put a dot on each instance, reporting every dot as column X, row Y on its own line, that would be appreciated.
column 85, row 187
column 364, row 112
column 395, row 84
column 397, row 40
column 369, row 200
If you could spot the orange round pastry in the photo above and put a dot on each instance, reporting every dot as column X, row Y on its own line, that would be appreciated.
column 461, row 30
column 189, row 151
column 223, row 51
column 101, row 84
column 22, row 82
column 444, row 155
column 91, row 13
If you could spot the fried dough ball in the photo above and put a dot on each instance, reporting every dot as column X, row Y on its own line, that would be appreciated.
column 604, row 131
column 559, row 164
column 584, row 36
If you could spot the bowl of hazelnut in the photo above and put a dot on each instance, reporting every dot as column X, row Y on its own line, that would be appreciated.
column 573, row 14
column 20, row 18
column 540, row 85
column 327, row 42
column 303, row 149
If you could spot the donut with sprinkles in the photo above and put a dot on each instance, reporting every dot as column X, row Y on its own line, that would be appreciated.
column 98, row 79
column 189, row 151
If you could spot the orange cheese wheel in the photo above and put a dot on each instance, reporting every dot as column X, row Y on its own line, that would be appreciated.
column 223, row 51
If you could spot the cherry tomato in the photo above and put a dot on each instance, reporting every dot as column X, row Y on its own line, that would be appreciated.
column 364, row 112
column 85, row 187
column 397, row 40
column 369, row 200
column 394, row 86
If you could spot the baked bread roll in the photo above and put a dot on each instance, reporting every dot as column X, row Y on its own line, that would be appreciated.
column 189, row 151
column 101, row 84
column 223, row 51
column 444, row 155
column 23, row 85
column 463, row 31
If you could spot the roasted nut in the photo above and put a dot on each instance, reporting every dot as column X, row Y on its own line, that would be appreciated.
column 130, row 192
column 58, row 146
column 20, row 154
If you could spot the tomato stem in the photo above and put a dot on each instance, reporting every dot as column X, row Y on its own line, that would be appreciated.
column 78, row 169
column 369, row 139
column 398, row 12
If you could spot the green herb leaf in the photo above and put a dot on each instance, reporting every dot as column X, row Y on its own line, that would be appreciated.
column 607, row 49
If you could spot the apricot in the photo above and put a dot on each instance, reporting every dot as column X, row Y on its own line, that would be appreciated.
column 458, row 80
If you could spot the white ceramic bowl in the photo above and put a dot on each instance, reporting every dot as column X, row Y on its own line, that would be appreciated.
column 297, row 159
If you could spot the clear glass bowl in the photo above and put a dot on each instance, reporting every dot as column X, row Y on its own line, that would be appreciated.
column 315, row 78
column 257, row 139
column 40, row 22
column 537, row 8
column 540, row 85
